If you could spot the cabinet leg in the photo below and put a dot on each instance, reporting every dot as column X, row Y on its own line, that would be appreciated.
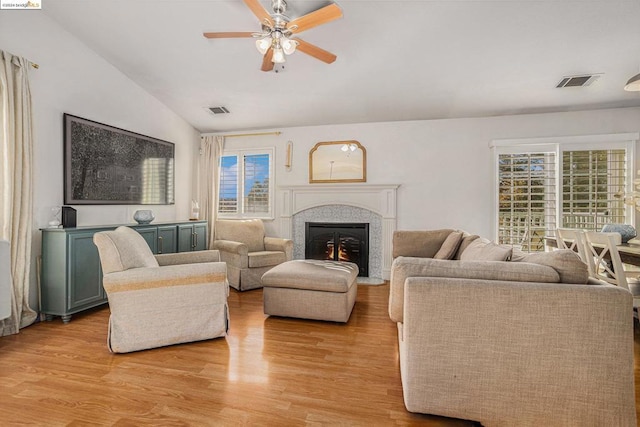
column 66, row 318
column 48, row 317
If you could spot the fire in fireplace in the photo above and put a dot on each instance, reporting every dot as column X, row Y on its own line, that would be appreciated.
column 338, row 242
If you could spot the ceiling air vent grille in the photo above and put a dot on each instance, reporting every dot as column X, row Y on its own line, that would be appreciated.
column 578, row 81
column 219, row 110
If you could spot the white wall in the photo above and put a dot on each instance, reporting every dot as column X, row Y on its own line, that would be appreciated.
column 444, row 166
column 73, row 79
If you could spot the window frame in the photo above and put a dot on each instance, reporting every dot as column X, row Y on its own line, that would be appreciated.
column 241, row 214
column 558, row 145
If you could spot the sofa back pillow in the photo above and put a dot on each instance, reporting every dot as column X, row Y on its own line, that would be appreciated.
column 484, row 250
column 565, row 261
column 450, row 246
column 418, row 243
column 464, row 244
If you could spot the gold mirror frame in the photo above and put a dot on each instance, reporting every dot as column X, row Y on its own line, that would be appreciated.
column 331, row 162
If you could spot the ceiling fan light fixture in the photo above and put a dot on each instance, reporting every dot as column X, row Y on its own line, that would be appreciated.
column 263, row 44
column 633, row 85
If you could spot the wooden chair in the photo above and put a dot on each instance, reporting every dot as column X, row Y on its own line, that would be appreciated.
column 575, row 238
column 604, row 263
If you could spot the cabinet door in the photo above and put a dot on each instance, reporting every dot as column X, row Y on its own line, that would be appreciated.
column 167, row 239
column 84, row 272
column 185, row 238
column 150, row 234
column 200, row 236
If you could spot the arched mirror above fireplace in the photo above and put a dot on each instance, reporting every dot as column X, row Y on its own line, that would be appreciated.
column 338, row 161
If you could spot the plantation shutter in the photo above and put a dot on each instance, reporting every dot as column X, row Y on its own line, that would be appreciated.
column 526, row 199
column 256, row 190
column 228, row 190
column 593, row 182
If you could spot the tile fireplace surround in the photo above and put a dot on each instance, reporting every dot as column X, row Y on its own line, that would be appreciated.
column 371, row 203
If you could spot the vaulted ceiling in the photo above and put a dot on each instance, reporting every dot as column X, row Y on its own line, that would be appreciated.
column 397, row 60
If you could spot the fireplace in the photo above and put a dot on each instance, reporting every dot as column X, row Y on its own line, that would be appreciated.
column 374, row 204
column 338, row 242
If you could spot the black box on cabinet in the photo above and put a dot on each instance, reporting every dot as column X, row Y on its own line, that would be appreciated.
column 68, row 217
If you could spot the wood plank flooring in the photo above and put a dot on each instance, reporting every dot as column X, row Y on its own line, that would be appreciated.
column 269, row 371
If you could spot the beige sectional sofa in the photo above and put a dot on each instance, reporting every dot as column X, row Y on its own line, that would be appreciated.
column 526, row 340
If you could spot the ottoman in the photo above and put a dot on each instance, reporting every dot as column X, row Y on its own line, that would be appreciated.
column 311, row 289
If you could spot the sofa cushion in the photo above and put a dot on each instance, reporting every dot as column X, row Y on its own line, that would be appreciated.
column 266, row 258
column 418, row 243
column 484, row 250
column 464, row 244
column 565, row 261
column 450, row 246
column 315, row 275
column 404, row 267
column 481, row 270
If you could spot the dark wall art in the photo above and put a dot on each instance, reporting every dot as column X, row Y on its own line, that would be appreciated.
column 106, row 165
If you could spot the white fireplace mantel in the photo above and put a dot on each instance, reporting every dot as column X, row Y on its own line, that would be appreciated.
column 378, row 198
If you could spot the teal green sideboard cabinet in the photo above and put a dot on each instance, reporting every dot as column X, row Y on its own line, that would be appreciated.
column 192, row 237
column 71, row 276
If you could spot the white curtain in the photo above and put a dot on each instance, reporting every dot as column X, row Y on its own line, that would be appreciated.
column 210, row 151
column 16, row 198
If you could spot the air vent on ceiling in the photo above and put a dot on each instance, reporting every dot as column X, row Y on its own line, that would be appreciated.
column 219, row 110
column 578, row 81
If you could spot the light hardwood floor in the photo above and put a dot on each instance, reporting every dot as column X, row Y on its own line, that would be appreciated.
column 267, row 371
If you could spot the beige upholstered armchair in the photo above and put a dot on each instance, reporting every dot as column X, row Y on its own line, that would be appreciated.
column 162, row 300
column 248, row 252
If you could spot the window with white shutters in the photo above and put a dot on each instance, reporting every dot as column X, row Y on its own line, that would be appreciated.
column 526, row 199
column 245, row 189
column 570, row 182
column 592, row 184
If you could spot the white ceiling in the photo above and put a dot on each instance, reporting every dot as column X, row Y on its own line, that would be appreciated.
column 397, row 60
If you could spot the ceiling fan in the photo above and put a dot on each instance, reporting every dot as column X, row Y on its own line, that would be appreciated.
column 275, row 41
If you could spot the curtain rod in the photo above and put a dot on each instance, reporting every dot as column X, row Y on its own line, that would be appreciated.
column 34, row 65
column 252, row 134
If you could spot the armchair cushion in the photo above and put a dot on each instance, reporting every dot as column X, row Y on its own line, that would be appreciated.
column 249, row 232
column 123, row 249
column 266, row 258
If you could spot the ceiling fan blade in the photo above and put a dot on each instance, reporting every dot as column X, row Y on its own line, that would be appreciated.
column 260, row 12
column 267, row 64
column 227, row 35
column 315, row 51
column 313, row 19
